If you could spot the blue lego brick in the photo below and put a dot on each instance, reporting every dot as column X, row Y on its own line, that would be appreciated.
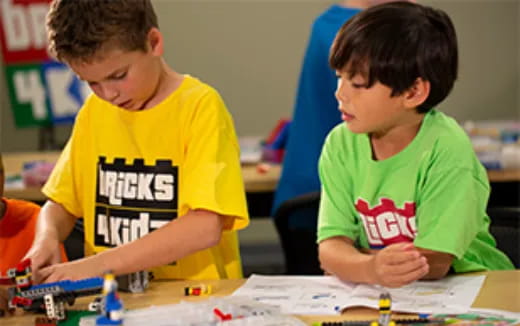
column 86, row 284
column 70, row 286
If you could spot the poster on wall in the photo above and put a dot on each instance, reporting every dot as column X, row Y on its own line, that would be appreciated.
column 41, row 91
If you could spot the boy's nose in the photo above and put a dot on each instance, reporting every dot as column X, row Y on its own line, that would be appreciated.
column 110, row 94
column 340, row 91
column 340, row 94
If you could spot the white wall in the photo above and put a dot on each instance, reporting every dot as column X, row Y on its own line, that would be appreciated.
column 251, row 51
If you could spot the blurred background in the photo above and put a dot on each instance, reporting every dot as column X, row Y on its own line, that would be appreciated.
column 251, row 51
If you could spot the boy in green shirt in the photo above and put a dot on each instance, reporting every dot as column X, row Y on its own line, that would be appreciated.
column 403, row 194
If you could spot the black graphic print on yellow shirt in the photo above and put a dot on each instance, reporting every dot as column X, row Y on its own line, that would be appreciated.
column 133, row 200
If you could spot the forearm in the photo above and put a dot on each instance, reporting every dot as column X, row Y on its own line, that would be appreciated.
column 338, row 256
column 54, row 222
column 195, row 231
column 438, row 262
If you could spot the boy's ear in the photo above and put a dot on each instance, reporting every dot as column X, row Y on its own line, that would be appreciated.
column 417, row 93
column 155, row 41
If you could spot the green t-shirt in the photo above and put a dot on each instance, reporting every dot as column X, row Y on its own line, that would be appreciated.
column 433, row 193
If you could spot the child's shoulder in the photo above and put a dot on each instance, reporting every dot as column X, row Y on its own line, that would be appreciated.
column 342, row 132
column 342, row 140
column 446, row 130
column 192, row 86
column 447, row 141
column 20, row 210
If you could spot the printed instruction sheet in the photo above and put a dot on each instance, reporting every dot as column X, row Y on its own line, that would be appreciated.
column 324, row 295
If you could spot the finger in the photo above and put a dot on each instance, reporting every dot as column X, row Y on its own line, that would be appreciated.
column 395, row 257
column 56, row 257
column 401, row 246
column 52, row 278
column 56, row 275
column 409, row 266
column 43, row 274
column 415, row 275
column 398, row 280
column 37, row 264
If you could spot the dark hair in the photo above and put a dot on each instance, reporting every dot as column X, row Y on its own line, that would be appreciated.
column 83, row 29
column 396, row 43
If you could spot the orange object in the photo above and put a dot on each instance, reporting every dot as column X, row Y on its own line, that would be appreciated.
column 17, row 232
column 263, row 168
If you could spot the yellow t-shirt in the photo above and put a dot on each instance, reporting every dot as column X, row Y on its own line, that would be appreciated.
column 128, row 173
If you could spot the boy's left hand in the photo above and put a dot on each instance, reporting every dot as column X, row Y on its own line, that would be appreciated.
column 75, row 270
column 398, row 264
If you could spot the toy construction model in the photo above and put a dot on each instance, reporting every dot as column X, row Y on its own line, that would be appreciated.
column 199, row 290
column 49, row 297
column 134, row 282
column 385, row 313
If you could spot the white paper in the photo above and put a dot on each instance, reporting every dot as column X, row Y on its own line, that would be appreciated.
column 454, row 294
column 244, row 312
column 314, row 295
column 326, row 295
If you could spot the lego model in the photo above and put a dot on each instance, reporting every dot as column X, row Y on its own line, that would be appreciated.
column 49, row 297
column 385, row 313
column 385, row 316
column 111, row 304
column 22, row 275
column 134, row 282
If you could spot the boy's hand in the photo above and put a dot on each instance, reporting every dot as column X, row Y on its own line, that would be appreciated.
column 398, row 264
column 75, row 270
column 43, row 253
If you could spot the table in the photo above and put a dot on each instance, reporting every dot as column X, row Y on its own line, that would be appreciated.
column 501, row 290
column 254, row 181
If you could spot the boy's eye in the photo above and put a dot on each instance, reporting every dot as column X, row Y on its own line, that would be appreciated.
column 357, row 85
column 120, row 76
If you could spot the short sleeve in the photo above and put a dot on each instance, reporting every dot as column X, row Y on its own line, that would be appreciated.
column 337, row 215
column 451, row 210
column 212, row 171
column 61, row 186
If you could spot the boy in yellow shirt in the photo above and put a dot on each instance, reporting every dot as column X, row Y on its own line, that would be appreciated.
column 152, row 164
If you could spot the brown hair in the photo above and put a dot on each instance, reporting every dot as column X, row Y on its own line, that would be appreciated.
column 80, row 30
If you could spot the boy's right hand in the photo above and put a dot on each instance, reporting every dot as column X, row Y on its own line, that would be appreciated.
column 398, row 264
column 43, row 253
